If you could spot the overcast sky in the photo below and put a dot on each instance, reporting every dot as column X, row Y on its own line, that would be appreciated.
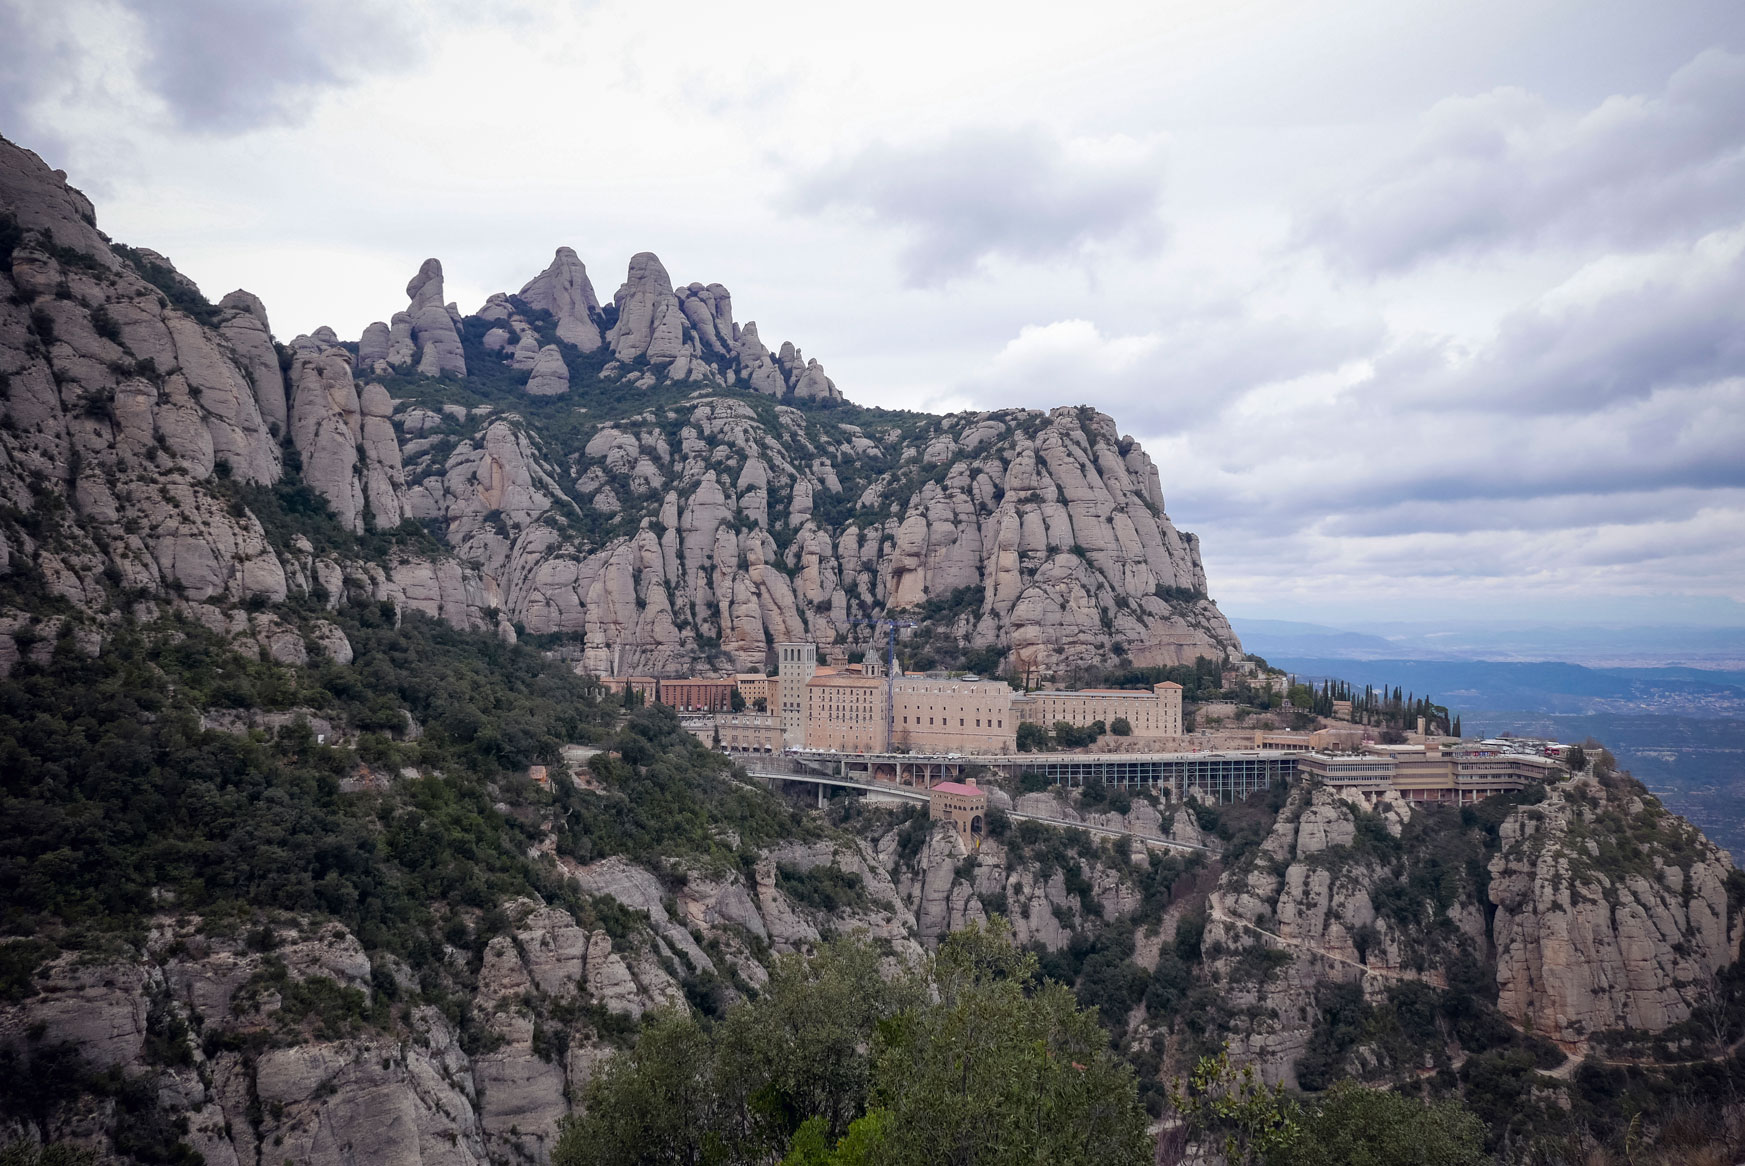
column 1424, row 310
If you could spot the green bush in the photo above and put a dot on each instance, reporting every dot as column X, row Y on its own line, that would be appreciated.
column 826, row 888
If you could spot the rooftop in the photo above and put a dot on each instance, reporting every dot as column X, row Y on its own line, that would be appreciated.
column 1096, row 691
column 958, row 787
column 851, row 679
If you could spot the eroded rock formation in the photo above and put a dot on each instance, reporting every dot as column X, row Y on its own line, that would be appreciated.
column 1632, row 939
column 686, row 537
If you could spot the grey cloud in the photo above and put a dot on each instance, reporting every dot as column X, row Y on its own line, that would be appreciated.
column 977, row 194
column 224, row 67
column 1368, row 471
column 1619, row 406
column 1681, row 325
column 31, row 53
column 1506, row 169
column 1534, row 513
column 1175, row 378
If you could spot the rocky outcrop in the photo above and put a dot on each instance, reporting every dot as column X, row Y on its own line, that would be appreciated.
column 712, row 528
column 432, row 325
column 327, row 427
column 564, row 290
column 384, row 478
column 1298, row 916
column 1610, row 915
column 550, row 377
column 126, row 407
column 243, row 324
column 1631, row 941
column 1054, row 518
column 373, row 348
column 40, row 200
column 651, row 325
column 333, row 1091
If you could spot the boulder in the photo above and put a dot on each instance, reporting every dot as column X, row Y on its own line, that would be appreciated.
column 550, row 376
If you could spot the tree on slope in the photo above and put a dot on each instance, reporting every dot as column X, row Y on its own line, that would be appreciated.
column 973, row 1061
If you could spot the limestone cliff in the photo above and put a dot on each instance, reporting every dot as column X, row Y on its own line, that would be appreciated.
column 1590, row 910
column 644, row 480
column 1611, row 913
column 288, row 1041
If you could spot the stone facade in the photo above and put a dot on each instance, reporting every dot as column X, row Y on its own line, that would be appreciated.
column 798, row 662
column 1427, row 773
column 953, row 716
column 738, row 732
column 755, row 686
column 705, row 694
column 845, row 711
column 1337, row 737
column 963, row 805
column 645, row 687
column 1157, row 713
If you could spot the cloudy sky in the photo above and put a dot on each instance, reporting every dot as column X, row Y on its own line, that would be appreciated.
column 1424, row 310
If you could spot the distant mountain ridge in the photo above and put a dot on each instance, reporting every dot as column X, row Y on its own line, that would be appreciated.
column 1594, row 645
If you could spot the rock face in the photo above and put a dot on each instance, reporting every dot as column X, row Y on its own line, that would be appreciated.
column 433, row 328
column 327, row 426
column 712, row 527
column 650, row 323
column 1055, row 519
column 1306, row 896
column 563, row 289
column 1610, row 914
column 128, row 408
column 550, row 377
column 1585, row 946
column 244, row 326
column 413, row 1092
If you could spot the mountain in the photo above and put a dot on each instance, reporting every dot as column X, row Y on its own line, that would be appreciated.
column 1711, row 647
column 319, row 841
column 1280, row 637
column 642, row 481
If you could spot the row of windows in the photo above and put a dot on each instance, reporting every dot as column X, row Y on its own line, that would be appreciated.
column 992, row 723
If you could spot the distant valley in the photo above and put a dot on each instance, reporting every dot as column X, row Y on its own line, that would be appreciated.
column 1678, row 727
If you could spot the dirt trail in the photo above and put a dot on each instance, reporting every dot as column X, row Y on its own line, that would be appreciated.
column 1432, row 978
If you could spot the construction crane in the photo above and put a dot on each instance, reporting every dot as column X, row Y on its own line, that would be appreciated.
column 890, row 672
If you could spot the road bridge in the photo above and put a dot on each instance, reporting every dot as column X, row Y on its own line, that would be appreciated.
column 767, row 770
column 1226, row 775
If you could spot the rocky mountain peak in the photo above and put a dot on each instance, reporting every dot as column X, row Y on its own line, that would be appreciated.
column 686, row 533
column 1611, row 913
column 40, row 199
column 425, row 288
column 650, row 322
column 431, row 327
column 564, row 290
